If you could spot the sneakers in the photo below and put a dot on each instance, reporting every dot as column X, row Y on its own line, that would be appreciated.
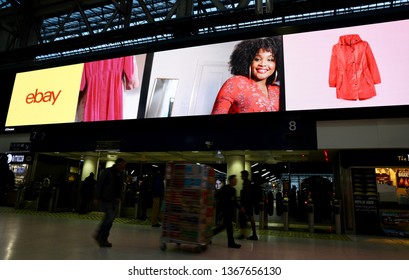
column 253, row 237
column 234, row 245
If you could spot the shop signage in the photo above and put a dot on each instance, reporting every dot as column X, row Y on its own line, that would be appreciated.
column 103, row 146
column 19, row 158
column 403, row 158
column 20, row 146
column 403, row 173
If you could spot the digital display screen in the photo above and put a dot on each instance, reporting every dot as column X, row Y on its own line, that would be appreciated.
column 368, row 71
column 352, row 67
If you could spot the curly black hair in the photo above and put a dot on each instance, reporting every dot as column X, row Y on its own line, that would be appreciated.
column 245, row 51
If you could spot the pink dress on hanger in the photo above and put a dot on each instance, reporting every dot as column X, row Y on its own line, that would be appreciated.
column 103, row 82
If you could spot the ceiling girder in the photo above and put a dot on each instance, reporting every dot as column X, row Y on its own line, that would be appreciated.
column 61, row 26
column 105, row 21
column 84, row 17
column 111, row 20
column 146, row 11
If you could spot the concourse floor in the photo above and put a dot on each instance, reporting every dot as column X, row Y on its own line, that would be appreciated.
column 59, row 236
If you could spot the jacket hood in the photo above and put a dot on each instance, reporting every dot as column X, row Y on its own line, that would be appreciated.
column 350, row 39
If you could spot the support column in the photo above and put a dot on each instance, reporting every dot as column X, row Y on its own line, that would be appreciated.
column 247, row 166
column 236, row 164
column 90, row 165
column 109, row 163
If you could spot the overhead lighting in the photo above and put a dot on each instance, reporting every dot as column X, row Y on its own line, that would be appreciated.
column 265, row 174
column 254, row 164
column 257, row 171
column 218, row 171
column 154, row 165
column 219, row 154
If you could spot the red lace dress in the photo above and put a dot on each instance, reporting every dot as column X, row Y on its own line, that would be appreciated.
column 104, row 81
column 242, row 95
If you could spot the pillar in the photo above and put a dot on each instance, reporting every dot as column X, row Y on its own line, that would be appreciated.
column 247, row 166
column 90, row 165
column 236, row 164
column 109, row 163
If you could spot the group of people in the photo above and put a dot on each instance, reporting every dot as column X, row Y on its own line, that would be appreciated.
column 108, row 191
column 227, row 201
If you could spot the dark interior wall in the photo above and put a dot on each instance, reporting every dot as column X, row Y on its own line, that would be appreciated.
column 57, row 167
column 6, row 88
column 242, row 131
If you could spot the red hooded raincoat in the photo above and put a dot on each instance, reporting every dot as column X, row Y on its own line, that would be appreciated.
column 353, row 70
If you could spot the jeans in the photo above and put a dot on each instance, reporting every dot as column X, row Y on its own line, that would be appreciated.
column 109, row 208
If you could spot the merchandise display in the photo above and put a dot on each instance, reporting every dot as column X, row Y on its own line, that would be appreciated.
column 365, row 200
column 189, row 205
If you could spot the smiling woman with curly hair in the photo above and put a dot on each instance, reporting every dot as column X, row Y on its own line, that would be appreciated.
column 254, row 86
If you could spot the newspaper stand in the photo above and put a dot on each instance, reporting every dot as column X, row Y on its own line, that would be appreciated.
column 188, row 208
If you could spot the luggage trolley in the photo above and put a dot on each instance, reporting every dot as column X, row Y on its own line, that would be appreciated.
column 189, row 205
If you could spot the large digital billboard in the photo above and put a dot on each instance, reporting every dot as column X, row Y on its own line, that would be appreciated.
column 352, row 67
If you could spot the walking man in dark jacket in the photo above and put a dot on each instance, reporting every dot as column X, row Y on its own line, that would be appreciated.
column 228, row 203
column 249, row 200
column 108, row 194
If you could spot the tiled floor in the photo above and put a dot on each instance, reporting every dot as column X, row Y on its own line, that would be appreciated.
column 43, row 236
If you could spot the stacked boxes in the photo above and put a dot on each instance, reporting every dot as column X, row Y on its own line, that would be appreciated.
column 189, row 200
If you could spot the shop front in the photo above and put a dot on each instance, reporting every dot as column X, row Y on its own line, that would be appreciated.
column 379, row 183
column 393, row 189
column 20, row 163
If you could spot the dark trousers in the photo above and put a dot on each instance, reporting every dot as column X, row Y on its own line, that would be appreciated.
column 228, row 223
column 109, row 208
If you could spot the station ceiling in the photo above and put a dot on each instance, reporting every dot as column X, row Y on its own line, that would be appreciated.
column 55, row 29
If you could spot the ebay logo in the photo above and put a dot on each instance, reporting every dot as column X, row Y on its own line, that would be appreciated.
column 38, row 97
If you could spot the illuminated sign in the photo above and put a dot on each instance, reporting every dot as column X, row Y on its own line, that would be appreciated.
column 403, row 158
column 19, row 158
column 403, row 173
